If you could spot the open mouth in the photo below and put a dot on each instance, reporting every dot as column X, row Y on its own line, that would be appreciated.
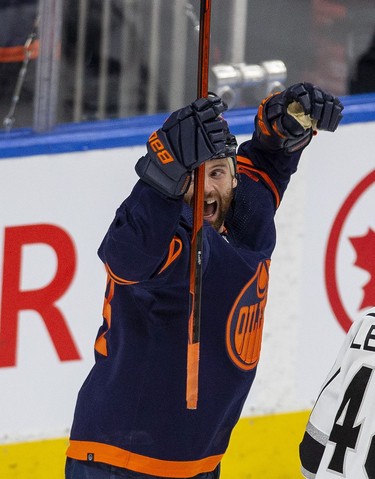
column 210, row 207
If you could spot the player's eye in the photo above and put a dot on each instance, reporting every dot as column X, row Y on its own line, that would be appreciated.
column 217, row 172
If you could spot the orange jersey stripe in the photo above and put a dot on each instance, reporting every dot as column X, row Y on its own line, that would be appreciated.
column 118, row 457
column 101, row 342
column 192, row 375
column 246, row 166
column 175, row 249
column 116, row 278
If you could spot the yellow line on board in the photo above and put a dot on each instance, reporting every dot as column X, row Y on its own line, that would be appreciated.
column 263, row 447
column 33, row 460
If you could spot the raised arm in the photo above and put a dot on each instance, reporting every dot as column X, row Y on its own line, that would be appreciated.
column 139, row 238
column 284, row 125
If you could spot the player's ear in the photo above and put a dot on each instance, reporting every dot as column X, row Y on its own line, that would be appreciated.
column 234, row 182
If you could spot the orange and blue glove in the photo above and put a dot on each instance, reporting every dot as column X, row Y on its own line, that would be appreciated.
column 189, row 137
column 287, row 120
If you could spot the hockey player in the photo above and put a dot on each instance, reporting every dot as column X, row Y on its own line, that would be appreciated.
column 340, row 436
column 131, row 418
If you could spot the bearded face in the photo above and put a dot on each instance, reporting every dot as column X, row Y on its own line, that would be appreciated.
column 218, row 191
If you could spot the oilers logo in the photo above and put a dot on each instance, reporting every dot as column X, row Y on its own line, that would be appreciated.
column 245, row 321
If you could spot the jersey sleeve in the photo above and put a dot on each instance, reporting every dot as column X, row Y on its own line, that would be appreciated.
column 263, row 178
column 339, row 440
column 139, row 239
column 273, row 168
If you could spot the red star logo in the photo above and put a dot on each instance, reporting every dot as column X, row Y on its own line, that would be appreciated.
column 365, row 250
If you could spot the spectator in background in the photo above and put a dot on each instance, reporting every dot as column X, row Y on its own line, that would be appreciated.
column 363, row 80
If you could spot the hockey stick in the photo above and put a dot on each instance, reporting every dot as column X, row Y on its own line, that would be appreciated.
column 197, row 236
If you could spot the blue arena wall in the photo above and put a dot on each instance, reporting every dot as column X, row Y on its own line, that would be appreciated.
column 135, row 131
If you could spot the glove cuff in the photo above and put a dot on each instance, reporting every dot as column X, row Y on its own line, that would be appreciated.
column 158, row 178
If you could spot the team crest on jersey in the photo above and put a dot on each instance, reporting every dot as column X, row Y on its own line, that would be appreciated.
column 245, row 321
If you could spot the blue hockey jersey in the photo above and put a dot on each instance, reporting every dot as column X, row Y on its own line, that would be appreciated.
column 131, row 410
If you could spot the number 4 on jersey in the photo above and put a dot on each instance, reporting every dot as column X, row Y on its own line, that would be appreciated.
column 344, row 432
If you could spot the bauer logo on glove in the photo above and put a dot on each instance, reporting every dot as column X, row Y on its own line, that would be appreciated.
column 188, row 138
column 157, row 147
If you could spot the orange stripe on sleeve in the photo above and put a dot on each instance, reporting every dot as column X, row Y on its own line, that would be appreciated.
column 101, row 342
column 115, row 456
column 246, row 167
column 175, row 248
column 101, row 345
column 116, row 278
column 245, row 161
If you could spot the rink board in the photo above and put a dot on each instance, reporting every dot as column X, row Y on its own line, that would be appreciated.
column 65, row 187
column 260, row 447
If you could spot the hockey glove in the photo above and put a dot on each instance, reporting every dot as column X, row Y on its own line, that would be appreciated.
column 287, row 120
column 189, row 137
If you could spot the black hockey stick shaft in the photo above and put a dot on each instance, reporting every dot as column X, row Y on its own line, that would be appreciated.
column 196, row 256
